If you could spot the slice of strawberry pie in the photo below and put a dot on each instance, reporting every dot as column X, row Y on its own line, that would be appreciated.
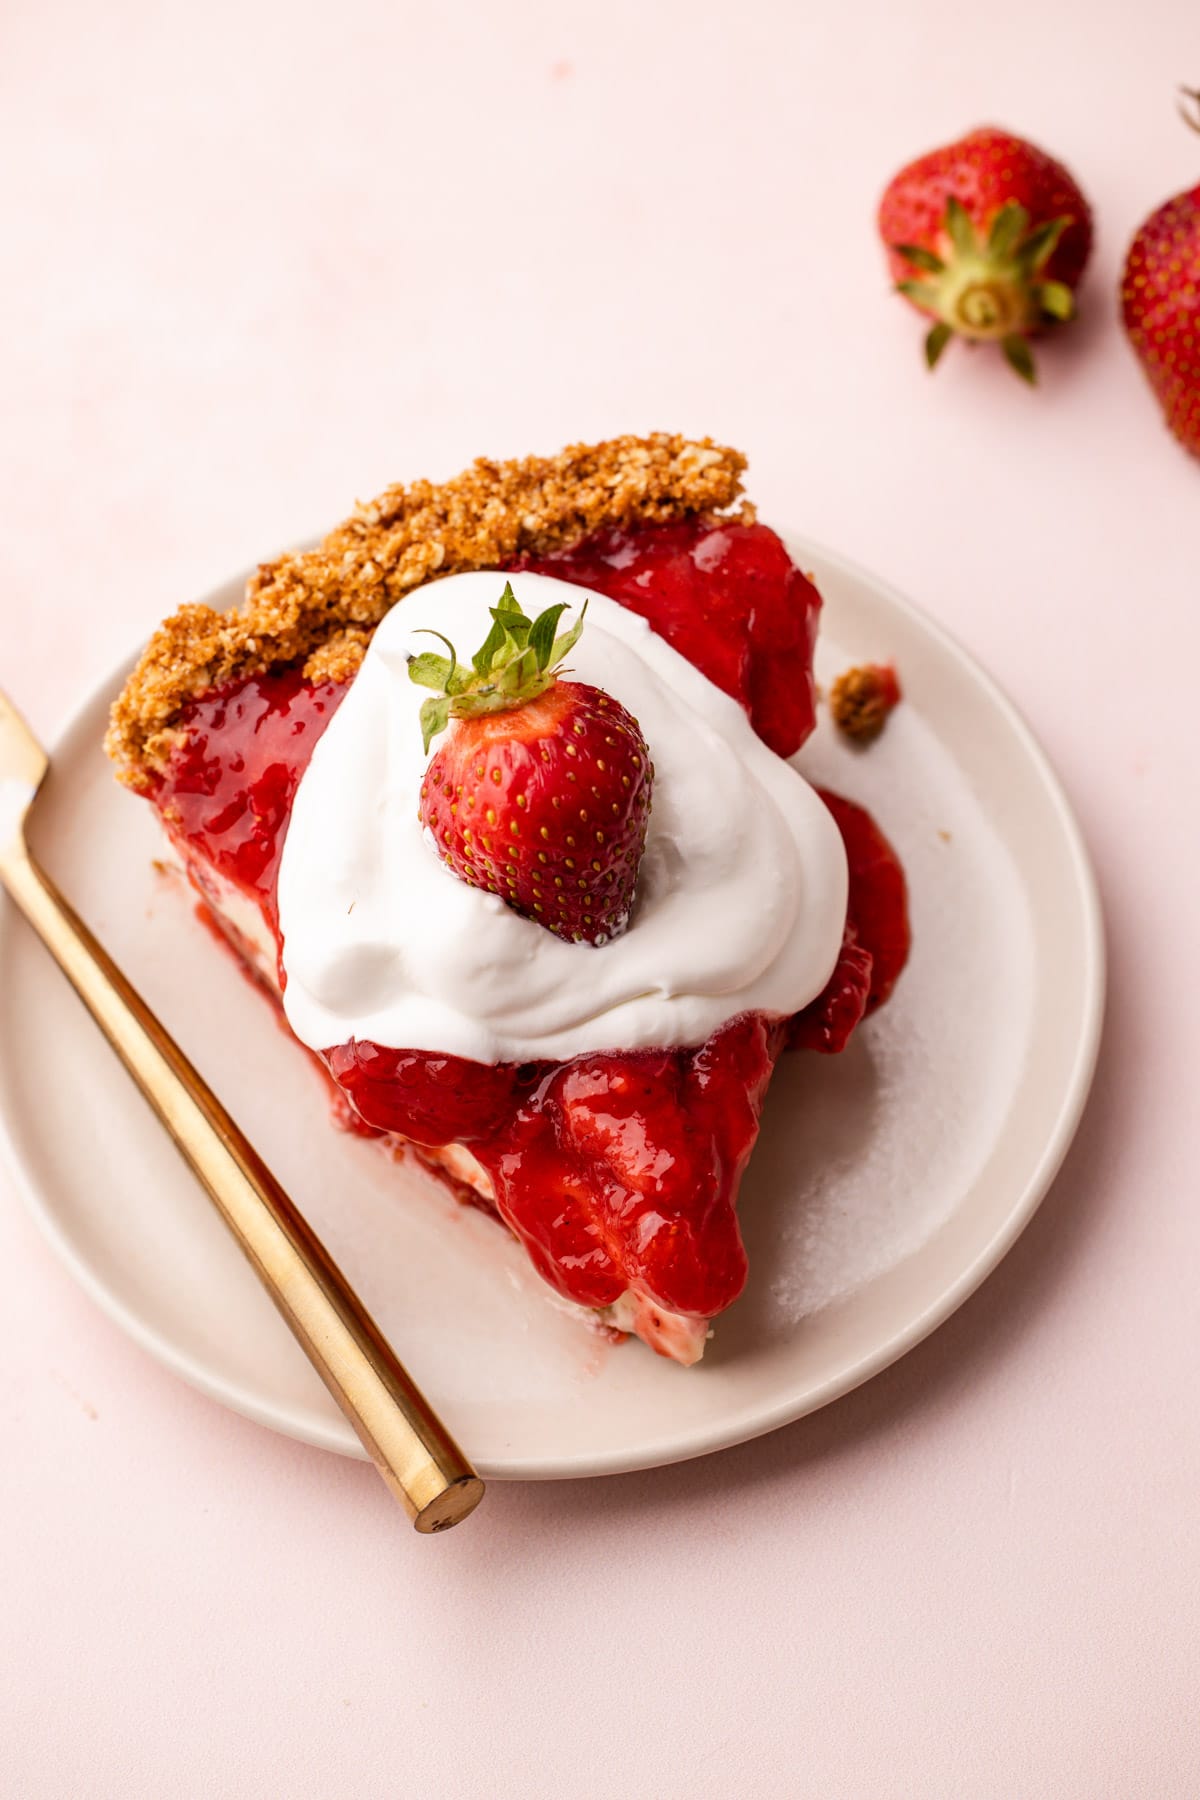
column 549, row 916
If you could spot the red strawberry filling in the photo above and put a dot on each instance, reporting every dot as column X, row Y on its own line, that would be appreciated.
column 615, row 1170
column 728, row 597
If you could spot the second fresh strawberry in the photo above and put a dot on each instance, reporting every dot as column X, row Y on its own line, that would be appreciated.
column 540, row 792
column 1160, row 302
column 988, row 237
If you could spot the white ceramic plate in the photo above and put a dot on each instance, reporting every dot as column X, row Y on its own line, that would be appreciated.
column 886, row 1184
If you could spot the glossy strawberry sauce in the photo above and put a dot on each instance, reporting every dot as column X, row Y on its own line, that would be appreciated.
column 726, row 596
column 228, row 790
column 616, row 1168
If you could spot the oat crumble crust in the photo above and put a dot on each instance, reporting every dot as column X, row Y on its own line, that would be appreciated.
column 320, row 607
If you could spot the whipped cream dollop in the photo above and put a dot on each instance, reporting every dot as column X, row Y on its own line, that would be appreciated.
column 741, row 899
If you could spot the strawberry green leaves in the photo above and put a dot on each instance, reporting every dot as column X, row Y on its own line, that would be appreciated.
column 516, row 662
column 1019, row 358
column 920, row 258
column 433, row 671
column 959, row 228
column 435, row 716
column 1036, row 250
column 1009, row 226
column 1056, row 298
column 987, row 287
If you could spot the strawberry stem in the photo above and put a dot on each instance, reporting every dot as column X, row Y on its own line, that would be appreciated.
column 516, row 662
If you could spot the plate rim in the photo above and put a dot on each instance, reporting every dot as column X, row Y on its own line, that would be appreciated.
column 337, row 1436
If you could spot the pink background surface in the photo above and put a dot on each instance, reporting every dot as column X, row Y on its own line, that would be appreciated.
column 259, row 259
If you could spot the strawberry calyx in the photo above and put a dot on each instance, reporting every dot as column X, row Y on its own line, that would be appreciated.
column 518, row 660
column 989, row 289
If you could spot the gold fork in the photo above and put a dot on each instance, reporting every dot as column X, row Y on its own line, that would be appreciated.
column 413, row 1451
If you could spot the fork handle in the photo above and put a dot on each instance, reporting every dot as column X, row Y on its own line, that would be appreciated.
column 413, row 1451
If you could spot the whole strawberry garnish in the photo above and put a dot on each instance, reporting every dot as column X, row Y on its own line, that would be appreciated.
column 541, row 791
column 1160, row 301
column 987, row 237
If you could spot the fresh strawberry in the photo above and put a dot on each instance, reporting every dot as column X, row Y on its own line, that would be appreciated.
column 541, row 791
column 1160, row 301
column 987, row 237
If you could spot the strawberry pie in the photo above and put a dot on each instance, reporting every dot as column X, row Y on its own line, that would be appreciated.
column 491, row 792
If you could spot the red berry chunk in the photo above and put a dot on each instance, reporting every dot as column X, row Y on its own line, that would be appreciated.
column 876, row 945
column 878, row 908
column 725, row 595
column 828, row 1022
column 623, row 1169
column 433, row 1100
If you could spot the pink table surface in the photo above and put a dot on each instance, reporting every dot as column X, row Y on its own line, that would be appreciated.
column 259, row 259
